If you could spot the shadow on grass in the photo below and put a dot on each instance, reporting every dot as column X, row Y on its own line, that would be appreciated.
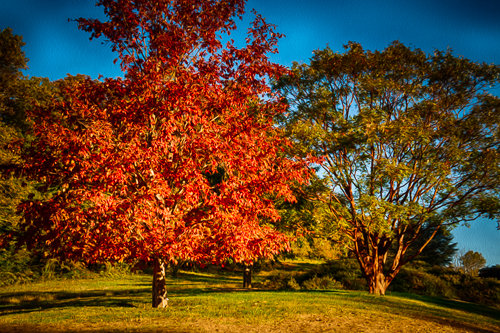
column 22, row 302
column 186, row 284
column 200, row 278
column 441, row 315
column 443, row 303
column 479, row 309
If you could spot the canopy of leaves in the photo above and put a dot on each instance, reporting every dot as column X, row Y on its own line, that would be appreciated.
column 472, row 262
column 12, row 191
column 177, row 159
column 407, row 140
column 12, row 60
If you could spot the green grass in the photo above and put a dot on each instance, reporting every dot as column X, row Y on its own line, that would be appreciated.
column 210, row 302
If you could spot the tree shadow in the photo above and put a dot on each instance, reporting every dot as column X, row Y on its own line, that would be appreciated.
column 186, row 284
column 23, row 302
column 479, row 309
column 439, row 314
column 199, row 278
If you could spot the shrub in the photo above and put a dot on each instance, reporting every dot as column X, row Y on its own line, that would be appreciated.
column 418, row 281
column 21, row 266
column 479, row 290
column 300, row 248
column 321, row 283
column 115, row 269
column 416, row 278
column 447, row 282
column 335, row 274
column 298, row 281
column 18, row 266
column 56, row 268
column 279, row 281
column 266, row 265
column 314, row 248
column 345, row 271
column 292, row 284
column 323, row 249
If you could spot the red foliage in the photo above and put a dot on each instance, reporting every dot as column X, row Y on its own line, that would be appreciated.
column 180, row 158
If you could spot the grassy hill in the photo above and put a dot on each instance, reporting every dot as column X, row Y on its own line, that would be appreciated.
column 214, row 302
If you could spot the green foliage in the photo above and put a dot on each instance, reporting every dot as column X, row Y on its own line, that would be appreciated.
column 280, row 281
column 472, row 262
column 479, row 290
column 334, row 274
column 17, row 94
column 315, row 248
column 490, row 272
column 447, row 282
column 301, row 248
column 407, row 144
column 439, row 251
column 12, row 60
column 421, row 282
column 56, row 269
column 347, row 272
column 416, row 278
column 17, row 266
column 119, row 269
column 292, row 284
column 299, row 281
column 20, row 266
column 311, row 222
column 321, row 283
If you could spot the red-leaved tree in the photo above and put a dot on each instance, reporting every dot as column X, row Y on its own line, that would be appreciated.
column 177, row 160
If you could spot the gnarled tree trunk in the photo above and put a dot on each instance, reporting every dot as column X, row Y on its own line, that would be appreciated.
column 376, row 276
column 160, row 299
column 377, row 283
column 373, row 262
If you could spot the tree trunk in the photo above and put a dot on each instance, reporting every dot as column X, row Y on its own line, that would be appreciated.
column 372, row 260
column 247, row 277
column 160, row 299
column 377, row 283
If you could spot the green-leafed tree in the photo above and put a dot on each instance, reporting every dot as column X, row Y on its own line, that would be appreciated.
column 409, row 145
column 12, row 61
column 12, row 124
column 308, row 222
column 472, row 262
column 17, row 94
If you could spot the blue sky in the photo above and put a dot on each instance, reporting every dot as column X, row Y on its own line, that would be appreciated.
column 471, row 28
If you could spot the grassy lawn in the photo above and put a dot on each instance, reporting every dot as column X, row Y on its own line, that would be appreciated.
column 214, row 302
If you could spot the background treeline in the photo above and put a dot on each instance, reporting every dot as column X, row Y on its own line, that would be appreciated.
column 18, row 93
